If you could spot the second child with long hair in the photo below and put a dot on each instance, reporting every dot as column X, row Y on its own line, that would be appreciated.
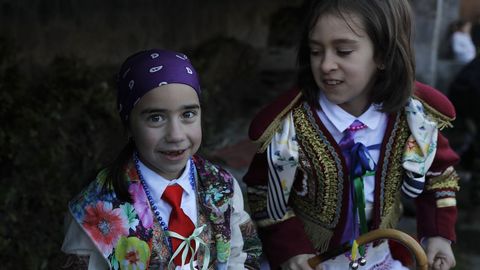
column 337, row 153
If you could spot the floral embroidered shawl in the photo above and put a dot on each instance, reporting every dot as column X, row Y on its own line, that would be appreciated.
column 125, row 233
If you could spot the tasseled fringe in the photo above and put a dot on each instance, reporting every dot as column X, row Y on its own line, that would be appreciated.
column 442, row 120
column 390, row 221
column 319, row 236
column 444, row 124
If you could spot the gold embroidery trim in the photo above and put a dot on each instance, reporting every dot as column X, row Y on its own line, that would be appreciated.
column 450, row 184
column 257, row 199
column 267, row 135
column 447, row 202
column 392, row 214
column 394, row 172
column 447, row 180
column 325, row 175
column 442, row 120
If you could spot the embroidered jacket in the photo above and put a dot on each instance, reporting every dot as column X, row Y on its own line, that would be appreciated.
column 317, row 201
column 128, row 237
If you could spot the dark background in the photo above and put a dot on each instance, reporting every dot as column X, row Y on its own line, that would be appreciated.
column 59, row 126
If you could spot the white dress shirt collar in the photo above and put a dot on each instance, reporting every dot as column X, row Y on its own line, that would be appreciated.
column 342, row 119
column 157, row 184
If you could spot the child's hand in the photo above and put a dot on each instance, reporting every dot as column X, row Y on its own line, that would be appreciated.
column 439, row 253
column 300, row 262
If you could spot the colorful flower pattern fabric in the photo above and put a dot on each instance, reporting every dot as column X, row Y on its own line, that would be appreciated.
column 282, row 155
column 420, row 148
column 128, row 236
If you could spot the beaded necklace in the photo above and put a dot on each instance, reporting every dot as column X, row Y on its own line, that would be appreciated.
column 152, row 203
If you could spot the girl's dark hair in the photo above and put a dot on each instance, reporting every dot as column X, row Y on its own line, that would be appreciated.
column 116, row 172
column 388, row 24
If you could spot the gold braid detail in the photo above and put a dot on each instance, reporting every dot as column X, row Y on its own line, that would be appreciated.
column 257, row 199
column 323, row 207
column 391, row 217
column 442, row 120
column 447, row 180
column 267, row 135
column 257, row 203
column 392, row 171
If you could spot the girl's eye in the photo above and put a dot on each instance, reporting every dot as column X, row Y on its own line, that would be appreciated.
column 315, row 52
column 344, row 52
column 189, row 114
column 155, row 118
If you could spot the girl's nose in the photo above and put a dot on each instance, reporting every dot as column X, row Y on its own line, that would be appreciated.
column 328, row 63
column 174, row 132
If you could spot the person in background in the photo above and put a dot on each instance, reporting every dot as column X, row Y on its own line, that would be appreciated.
column 461, row 41
column 464, row 92
column 337, row 152
column 159, row 205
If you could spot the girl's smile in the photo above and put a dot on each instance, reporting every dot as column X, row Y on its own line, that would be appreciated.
column 173, row 155
column 331, row 82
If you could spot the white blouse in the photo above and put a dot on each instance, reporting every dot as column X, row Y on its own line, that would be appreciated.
column 337, row 120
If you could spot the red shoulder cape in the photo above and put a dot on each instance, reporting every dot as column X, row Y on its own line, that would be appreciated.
column 435, row 99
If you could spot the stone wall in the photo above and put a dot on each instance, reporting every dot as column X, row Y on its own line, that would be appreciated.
column 106, row 31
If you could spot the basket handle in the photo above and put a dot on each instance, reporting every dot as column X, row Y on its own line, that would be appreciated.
column 403, row 238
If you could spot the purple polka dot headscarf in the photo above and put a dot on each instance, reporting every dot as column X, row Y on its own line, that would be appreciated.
column 147, row 70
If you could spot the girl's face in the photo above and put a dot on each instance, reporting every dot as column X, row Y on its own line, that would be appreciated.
column 342, row 61
column 165, row 125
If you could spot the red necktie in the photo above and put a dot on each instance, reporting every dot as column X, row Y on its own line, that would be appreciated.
column 179, row 222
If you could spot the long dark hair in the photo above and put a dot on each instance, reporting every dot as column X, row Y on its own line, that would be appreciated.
column 116, row 172
column 389, row 26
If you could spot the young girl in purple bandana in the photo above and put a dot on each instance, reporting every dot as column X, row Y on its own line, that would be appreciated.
column 160, row 206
